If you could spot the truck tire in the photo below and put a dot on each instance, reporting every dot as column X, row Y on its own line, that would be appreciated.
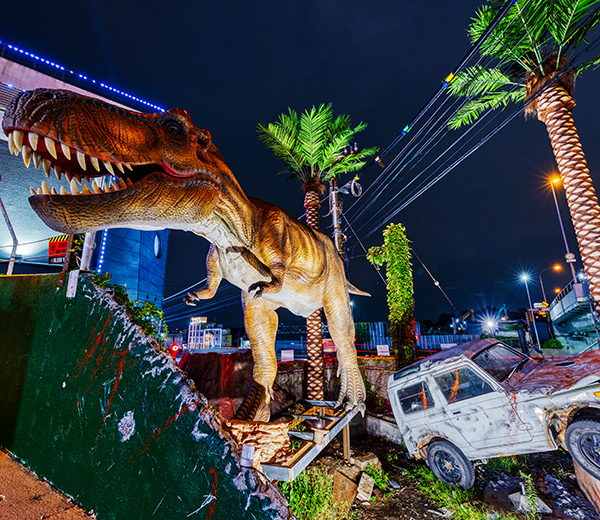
column 449, row 464
column 582, row 439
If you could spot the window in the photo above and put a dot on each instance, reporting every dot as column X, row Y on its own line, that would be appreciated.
column 415, row 398
column 462, row 384
column 499, row 361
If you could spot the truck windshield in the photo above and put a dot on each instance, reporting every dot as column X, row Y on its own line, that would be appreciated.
column 499, row 360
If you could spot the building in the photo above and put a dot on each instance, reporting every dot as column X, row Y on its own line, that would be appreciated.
column 135, row 259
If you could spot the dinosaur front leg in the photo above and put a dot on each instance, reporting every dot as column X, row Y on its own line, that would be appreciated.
column 214, row 275
column 341, row 327
column 261, row 321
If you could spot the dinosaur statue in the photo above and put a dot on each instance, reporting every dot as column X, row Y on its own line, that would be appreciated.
column 156, row 171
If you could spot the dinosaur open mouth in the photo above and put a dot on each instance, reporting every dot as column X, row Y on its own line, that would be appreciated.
column 85, row 174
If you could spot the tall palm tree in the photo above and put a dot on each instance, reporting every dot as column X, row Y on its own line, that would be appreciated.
column 535, row 62
column 313, row 149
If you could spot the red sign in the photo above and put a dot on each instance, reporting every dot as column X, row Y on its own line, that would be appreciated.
column 57, row 248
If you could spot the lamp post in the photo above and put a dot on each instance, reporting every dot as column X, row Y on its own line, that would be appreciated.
column 525, row 278
column 554, row 181
column 556, row 267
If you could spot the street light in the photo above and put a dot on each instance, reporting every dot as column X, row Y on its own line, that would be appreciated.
column 553, row 181
column 556, row 267
column 525, row 278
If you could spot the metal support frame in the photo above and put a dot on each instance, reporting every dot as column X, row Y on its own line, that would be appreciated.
column 316, row 441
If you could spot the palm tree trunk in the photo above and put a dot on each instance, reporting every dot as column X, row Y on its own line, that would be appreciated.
column 314, row 335
column 554, row 108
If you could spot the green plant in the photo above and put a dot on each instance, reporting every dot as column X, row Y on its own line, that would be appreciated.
column 460, row 502
column 144, row 314
column 380, row 477
column 310, row 497
column 531, row 495
column 552, row 343
column 395, row 253
column 391, row 457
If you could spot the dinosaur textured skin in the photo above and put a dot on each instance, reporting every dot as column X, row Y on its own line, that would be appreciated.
column 171, row 175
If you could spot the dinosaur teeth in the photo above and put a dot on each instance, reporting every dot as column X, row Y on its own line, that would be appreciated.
column 95, row 163
column 57, row 171
column 63, row 191
column 53, row 191
column 66, row 150
column 81, row 160
column 73, row 186
column 69, row 176
column 11, row 143
column 45, row 189
column 128, row 181
column 47, row 165
column 18, row 139
column 78, row 178
column 108, row 166
column 26, row 155
column 85, row 190
column 37, row 160
column 39, row 191
column 31, row 190
column 128, row 166
column 33, row 140
column 51, row 147
column 96, row 188
column 120, row 166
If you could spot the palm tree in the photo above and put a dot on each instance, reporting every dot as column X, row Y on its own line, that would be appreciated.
column 533, row 49
column 314, row 149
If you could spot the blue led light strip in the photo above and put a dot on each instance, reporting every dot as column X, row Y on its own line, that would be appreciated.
column 79, row 76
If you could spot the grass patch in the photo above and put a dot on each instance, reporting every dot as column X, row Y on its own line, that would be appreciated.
column 310, row 497
column 380, row 477
column 461, row 502
column 510, row 465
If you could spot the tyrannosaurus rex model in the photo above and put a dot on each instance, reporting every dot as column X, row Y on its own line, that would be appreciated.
column 165, row 172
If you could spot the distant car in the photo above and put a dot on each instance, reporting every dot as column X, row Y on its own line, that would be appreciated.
column 484, row 399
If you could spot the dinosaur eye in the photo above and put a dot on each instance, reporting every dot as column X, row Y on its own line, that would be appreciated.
column 174, row 128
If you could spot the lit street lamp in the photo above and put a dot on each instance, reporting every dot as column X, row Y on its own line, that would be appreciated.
column 525, row 278
column 554, row 181
column 556, row 267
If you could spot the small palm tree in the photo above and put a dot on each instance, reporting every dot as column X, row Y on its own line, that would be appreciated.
column 533, row 48
column 314, row 148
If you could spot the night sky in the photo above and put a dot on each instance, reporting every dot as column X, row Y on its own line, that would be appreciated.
column 234, row 64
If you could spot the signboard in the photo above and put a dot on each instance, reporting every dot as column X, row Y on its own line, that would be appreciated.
column 287, row 355
column 570, row 258
column 383, row 350
column 57, row 249
column 198, row 319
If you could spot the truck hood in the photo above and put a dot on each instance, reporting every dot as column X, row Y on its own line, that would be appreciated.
column 551, row 376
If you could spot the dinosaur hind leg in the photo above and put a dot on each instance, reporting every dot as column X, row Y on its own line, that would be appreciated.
column 336, row 304
column 261, row 321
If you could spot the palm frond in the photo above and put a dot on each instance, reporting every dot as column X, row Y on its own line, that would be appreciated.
column 490, row 101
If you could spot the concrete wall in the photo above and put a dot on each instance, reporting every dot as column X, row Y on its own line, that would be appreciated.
column 88, row 403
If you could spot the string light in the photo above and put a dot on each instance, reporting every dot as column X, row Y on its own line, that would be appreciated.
column 79, row 76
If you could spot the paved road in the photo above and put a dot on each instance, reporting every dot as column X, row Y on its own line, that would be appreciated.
column 24, row 496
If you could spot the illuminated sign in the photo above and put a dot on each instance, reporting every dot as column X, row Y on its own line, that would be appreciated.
column 198, row 319
column 57, row 249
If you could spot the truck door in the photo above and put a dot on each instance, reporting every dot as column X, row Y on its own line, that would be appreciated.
column 484, row 416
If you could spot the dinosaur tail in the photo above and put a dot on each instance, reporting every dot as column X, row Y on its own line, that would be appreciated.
column 354, row 290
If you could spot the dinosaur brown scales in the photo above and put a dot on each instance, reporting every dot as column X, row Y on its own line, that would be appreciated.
column 171, row 175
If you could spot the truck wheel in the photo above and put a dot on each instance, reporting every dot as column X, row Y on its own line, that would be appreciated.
column 582, row 438
column 449, row 464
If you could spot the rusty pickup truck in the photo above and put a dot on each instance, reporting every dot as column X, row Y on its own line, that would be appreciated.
column 484, row 399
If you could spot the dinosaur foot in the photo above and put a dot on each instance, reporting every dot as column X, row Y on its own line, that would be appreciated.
column 352, row 391
column 256, row 406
